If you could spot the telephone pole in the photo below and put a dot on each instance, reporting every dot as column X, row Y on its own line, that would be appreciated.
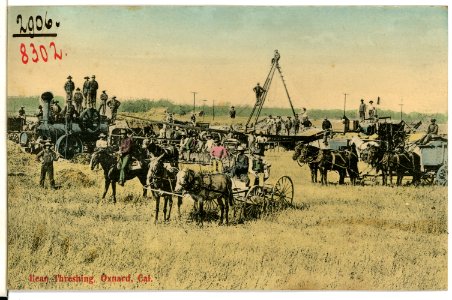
column 213, row 109
column 401, row 106
column 194, row 101
column 345, row 101
column 203, row 109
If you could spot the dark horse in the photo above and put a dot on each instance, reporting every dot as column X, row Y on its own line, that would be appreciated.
column 307, row 154
column 163, row 178
column 108, row 162
column 401, row 162
column 207, row 187
column 343, row 161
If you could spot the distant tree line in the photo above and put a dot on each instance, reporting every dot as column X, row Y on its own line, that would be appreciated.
column 143, row 105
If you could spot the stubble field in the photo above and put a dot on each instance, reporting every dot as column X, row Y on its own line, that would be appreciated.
column 339, row 237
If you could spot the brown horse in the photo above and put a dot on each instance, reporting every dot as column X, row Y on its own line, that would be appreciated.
column 163, row 178
column 108, row 162
column 307, row 154
column 207, row 187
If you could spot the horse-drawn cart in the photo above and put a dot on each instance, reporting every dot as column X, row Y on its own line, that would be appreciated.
column 258, row 200
column 433, row 162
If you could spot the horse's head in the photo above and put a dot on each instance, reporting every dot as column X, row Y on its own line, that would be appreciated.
column 95, row 159
column 374, row 154
column 297, row 151
column 184, row 178
column 155, row 165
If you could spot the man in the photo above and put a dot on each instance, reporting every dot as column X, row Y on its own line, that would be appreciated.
column 126, row 151
column 362, row 110
column 371, row 111
column 56, row 110
column 232, row 112
column 193, row 118
column 22, row 116
column 288, row 125
column 251, row 139
column 258, row 90
column 217, row 153
column 296, row 124
column 47, row 156
column 304, row 115
column 327, row 127
column 69, row 88
column 270, row 124
column 276, row 58
column 241, row 163
column 39, row 113
column 69, row 112
column 103, row 103
column 93, row 86
column 432, row 131
column 78, row 100
column 278, row 124
column 86, row 87
column 113, row 104
column 102, row 143
column 256, row 170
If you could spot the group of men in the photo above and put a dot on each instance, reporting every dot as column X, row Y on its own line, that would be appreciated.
column 367, row 111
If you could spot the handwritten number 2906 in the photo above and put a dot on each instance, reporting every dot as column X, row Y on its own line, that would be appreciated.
column 57, row 55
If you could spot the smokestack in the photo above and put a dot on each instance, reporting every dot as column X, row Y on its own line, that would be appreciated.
column 46, row 98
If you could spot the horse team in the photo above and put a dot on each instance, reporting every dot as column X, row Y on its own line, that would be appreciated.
column 399, row 161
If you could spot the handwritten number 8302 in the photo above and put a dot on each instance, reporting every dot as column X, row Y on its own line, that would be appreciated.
column 57, row 55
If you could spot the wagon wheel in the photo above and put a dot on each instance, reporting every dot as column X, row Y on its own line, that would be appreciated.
column 282, row 192
column 254, row 203
column 441, row 176
column 68, row 145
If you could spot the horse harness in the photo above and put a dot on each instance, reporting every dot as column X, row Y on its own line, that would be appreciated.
column 197, row 184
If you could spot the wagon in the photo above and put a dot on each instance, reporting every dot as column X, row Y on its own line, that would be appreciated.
column 256, row 201
column 433, row 162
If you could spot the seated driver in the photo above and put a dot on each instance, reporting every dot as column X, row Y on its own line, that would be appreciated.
column 241, row 164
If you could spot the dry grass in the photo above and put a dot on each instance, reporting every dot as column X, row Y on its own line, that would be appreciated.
column 344, row 238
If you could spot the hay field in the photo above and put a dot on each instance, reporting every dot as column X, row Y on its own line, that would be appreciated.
column 341, row 237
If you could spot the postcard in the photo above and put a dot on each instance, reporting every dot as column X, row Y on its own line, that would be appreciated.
column 227, row 148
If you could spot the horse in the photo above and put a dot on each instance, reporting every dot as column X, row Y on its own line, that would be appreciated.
column 162, row 177
column 169, row 152
column 207, row 187
column 108, row 162
column 405, row 162
column 363, row 148
column 332, row 160
column 305, row 153
column 399, row 162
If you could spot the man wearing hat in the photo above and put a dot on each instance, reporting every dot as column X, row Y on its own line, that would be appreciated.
column 258, row 90
column 288, row 125
column 113, row 104
column 217, row 154
column 278, row 124
column 372, row 110
column 101, row 143
column 362, row 110
column 432, row 131
column 296, row 124
column 78, row 100
column 103, row 103
column 69, row 88
column 232, row 112
column 327, row 129
column 257, row 168
column 39, row 113
column 47, row 157
column 93, row 86
column 56, row 110
column 86, row 87
column 22, row 116
column 69, row 113
column 241, row 163
column 126, row 152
